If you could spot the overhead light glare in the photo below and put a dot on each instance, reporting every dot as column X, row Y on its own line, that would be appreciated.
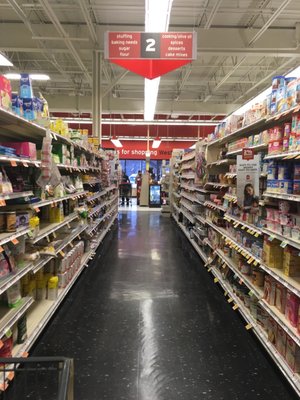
column 39, row 77
column 156, row 143
column 150, row 98
column 12, row 76
column 193, row 146
column 116, row 142
column 4, row 61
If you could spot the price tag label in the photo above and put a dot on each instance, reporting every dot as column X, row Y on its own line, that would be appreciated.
column 251, row 293
column 2, row 203
column 1, row 344
column 68, row 225
column 224, row 265
column 36, row 164
column 15, row 241
column 54, row 136
column 48, row 239
column 1, row 249
column 25, row 164
column 79, row 237
column 236, row 224
column 235, row 307
column 72, row 245
column 10, row 375
column 13, row 163
column 243, row 227
column 250, row 260
column 255, row 263
column 62, row 253
column 248, row 326
column 230, row 300
column 54, row 235
column 283, row 244
column 36, row 209
column 216, row 280
column 271, row 238
column 256, row 234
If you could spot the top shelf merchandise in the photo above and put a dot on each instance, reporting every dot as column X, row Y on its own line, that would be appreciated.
column 250, row 240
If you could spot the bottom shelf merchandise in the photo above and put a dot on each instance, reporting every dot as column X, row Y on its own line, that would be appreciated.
column 268, row 307
column 28, row 304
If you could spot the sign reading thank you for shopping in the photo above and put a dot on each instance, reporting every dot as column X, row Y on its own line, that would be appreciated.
column 151, row 54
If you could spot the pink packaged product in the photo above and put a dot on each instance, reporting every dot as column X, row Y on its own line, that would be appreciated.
column 276, row 133
column 280, row 301
column 270, row 290
column 292, row 355
column 275, row 147
column 5, row 93
column 292, row 308
column 23, row 149
column 281, row 340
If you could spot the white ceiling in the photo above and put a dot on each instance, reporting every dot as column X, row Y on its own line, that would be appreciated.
column 241, row 45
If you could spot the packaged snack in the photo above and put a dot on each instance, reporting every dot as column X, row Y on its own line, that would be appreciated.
column 273, row 253
column 291, row 262
column 14, row 295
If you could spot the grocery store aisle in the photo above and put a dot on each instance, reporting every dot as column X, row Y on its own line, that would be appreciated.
column 146, row 322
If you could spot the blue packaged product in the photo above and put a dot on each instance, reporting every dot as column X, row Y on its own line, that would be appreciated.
column 16, row 103
column 272, row 169
column 278, row 82
column 286, row 186
column 25, row 87
column 28, row 109
column 290, row 79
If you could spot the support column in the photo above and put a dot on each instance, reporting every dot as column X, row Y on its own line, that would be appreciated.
column 96, row 95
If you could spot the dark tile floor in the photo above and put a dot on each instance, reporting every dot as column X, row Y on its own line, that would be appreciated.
column 146, row 322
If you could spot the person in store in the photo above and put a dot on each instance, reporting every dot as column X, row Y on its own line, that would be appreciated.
column 138, row 181
column 250, row 200
column 125, row 189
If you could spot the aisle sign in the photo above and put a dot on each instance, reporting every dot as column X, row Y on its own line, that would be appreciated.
column 150, row 54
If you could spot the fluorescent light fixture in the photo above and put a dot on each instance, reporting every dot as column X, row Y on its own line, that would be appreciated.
column 140, row 122
column 157, row 18
column 13, row 76
column 116, row 142
column 156, row 143
column 4, row 61
column 39, row 77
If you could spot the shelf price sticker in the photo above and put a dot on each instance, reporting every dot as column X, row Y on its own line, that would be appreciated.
column 62, row 253
column 230, row 300
column 271, row 238
column 13, row 163
column 225, row 294
column 235, row 307
column 25, row 164
column 2, row 203
column 10, row 375
column 36, row 209
column 1, row 249
column 243, row 227
column 283, row 244
column 216, row 280
column 15, row 241
column 248, row 326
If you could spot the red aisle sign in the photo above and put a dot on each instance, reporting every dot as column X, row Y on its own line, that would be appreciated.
column 247, row 154
column 150, row 54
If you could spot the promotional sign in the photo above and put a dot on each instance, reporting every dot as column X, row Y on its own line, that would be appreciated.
column 150, row 54
column 136, row 150
column 248, row 173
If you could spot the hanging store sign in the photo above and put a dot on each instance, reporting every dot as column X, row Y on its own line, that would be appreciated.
column 150, row 54
column 248, row 173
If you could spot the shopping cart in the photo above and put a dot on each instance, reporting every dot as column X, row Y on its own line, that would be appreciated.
column 125, row 192
column 37, row 378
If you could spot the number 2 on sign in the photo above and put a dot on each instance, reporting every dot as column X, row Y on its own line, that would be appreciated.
column 150, row 45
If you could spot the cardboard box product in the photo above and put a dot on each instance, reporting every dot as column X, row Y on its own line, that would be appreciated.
column 270, row 290
column 272, row 330
column 281, row 341
column 29, row 111
column 292, row 308
column 23, row 149
column 26, row 91
column 273, row 254
column 5, row 93
column 292, row 355
column 291, row 262
column 280, row 301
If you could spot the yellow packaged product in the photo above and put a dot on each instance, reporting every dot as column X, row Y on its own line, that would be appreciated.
column 291, row 262
column 273, row 254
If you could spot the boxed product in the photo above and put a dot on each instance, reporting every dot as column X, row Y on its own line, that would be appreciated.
column 291, row 262
column 292, row 308
column 270, row 290
column 280, row 301
column 272, row 330
column 273, row 254
column 281, row 340
column 17, row 104
column 292, row 355
column 23, row 149
column 5, row 93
